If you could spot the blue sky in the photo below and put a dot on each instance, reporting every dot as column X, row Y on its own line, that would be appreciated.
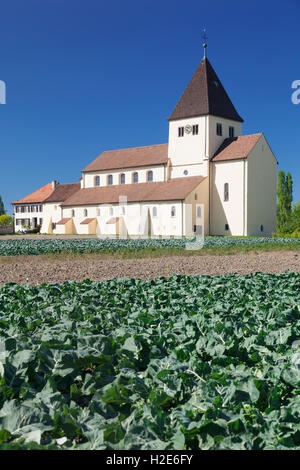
column 85, row 76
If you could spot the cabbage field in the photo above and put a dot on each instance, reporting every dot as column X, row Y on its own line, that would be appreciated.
column 184, row 363
column 44, row 246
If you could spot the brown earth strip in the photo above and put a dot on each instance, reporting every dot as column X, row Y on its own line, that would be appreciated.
column 39, row 269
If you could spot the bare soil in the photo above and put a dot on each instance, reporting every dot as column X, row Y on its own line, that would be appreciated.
column 39, row 269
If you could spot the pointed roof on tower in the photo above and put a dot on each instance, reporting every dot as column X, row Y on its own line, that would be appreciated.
column 204, row 95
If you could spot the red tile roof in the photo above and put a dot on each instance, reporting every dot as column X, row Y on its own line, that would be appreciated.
column 87, row 221
column 63, row 192
column 64, row 221
column 205, row 95
column 174, row 189
column 130, row 158
column 236, row 148
column 37, row 196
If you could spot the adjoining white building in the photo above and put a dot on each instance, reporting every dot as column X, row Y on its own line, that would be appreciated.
column 28, row 212
column 207, row 175
column 32, row 210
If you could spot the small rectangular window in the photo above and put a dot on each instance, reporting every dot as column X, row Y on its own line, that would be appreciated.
column 261, row 228
column 195, row 129
column 226, row 192
column 231, row 131
column 180, row 131
column 226, row 227
column 219, row 128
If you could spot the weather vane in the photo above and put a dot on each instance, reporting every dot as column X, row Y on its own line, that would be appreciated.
column 204, row 42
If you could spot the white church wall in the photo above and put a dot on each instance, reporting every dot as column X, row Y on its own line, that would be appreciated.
column 231, row 212
column 192, row 170
column 214, row 140
column 60, row 229
column 187, row 152
column 139, row 218
column 158, row 175
column 200, row 195
column 262, row 182
column 52, row 213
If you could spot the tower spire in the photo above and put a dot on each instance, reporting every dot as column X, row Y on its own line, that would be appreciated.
column 204, row 36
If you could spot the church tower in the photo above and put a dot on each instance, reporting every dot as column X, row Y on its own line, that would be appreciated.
column 202, row 119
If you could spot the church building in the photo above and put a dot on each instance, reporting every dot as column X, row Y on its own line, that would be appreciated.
column 208, row 179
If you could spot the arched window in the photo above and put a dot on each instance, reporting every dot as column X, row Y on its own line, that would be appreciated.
column 135, row 177
column 73, row 213
column 110, row 179
column 154, row 211
column 173, row 211
column 226, row 192
column 122, row 178
column 150, row 176
column 85, row 212
column 97, row 180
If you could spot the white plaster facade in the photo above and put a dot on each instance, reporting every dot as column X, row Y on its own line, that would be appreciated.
column 27, row 215
column 89, row 178
column 261, row 190
column 51, row 215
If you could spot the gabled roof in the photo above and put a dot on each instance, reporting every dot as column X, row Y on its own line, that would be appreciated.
column 174, row 189
column 64, row 221
column 37, row 196
column 87, row 221
column 236, row 148
column 130, row 158
column 63, row 192
column 205, row 95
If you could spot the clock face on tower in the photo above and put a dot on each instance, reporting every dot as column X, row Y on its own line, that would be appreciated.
column 188, row 129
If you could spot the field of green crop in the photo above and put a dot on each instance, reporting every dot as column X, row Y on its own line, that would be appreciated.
column 45, row 246
column 185, row 363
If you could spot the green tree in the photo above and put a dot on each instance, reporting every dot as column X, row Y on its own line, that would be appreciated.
column 281, row 206
column 284, row 202
column 295, row 224
column 289, row 196
column 6, row 219
column 2, row 210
